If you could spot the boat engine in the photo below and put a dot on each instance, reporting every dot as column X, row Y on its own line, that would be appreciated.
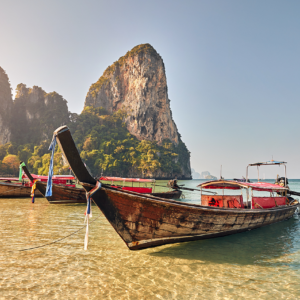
column 173, row 184
column 281, row 181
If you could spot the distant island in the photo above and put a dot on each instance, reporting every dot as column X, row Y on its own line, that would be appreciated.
column 203, row 175
column 125, row 129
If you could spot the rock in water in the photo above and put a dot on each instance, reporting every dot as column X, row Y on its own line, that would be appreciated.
column 6, row 103
column 137, row 83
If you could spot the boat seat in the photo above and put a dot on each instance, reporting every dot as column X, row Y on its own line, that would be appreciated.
column 140, row 190
column 234, row 204
column 268, row 202
column 226, row 201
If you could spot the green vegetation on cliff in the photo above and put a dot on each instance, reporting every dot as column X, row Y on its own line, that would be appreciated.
column 104, row 144
column 31, row 119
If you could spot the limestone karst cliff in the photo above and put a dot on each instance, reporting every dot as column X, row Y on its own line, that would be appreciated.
column 38, row 114
column 126, row 128
column 27, row 125
column 6, row 103
column 137, row 83
column 32, row 116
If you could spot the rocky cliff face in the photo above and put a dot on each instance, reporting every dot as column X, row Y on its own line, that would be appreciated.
column 38, row 114
column 6, row 103
column 137, row 83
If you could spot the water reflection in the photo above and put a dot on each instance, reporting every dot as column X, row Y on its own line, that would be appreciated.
column 252, row 247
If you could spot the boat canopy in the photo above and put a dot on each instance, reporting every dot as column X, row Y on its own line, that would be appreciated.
column 234, row 185
column 105, row 178
column 269, row 163
column 60, row 177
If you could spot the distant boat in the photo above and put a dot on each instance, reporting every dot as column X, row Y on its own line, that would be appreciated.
column 144, row 221
column 64, row 190
column 174, row 194
column 243, row 179
column 10, row 187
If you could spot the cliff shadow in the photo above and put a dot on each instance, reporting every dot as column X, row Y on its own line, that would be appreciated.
column 253, row 247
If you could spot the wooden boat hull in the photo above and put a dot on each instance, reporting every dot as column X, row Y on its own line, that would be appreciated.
column 62, row 194
column 144, row 221
column 11, row 190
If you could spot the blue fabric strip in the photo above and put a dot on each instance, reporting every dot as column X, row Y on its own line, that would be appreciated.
column 89, row 194
column 50, row 174
column 88, row 211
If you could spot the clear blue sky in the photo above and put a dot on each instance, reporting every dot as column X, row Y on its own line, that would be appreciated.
column 232, row 67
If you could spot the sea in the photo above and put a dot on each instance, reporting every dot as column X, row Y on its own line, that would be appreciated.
column 42, row 256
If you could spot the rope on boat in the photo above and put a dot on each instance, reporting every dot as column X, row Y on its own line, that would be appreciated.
column 55, row 240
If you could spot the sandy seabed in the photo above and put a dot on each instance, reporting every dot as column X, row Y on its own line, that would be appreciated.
column 260, row 264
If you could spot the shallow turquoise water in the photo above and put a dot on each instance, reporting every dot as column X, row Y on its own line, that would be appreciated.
column 261, row 264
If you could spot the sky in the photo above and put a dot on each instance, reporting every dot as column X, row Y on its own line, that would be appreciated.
column 232, row 67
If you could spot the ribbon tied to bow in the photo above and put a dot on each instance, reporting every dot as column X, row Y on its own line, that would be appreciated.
column 50, row 174
column 33, row 189
column 88, row 211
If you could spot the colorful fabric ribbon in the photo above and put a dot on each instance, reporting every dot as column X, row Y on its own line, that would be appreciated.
column 32, row 190
column 50, row 174
column 88, row 211
column 21, row 171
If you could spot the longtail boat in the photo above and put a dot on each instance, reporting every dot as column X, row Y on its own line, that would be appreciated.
column 64, row 190
column 144, row 189
column 144, row 221
column 11, row 187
